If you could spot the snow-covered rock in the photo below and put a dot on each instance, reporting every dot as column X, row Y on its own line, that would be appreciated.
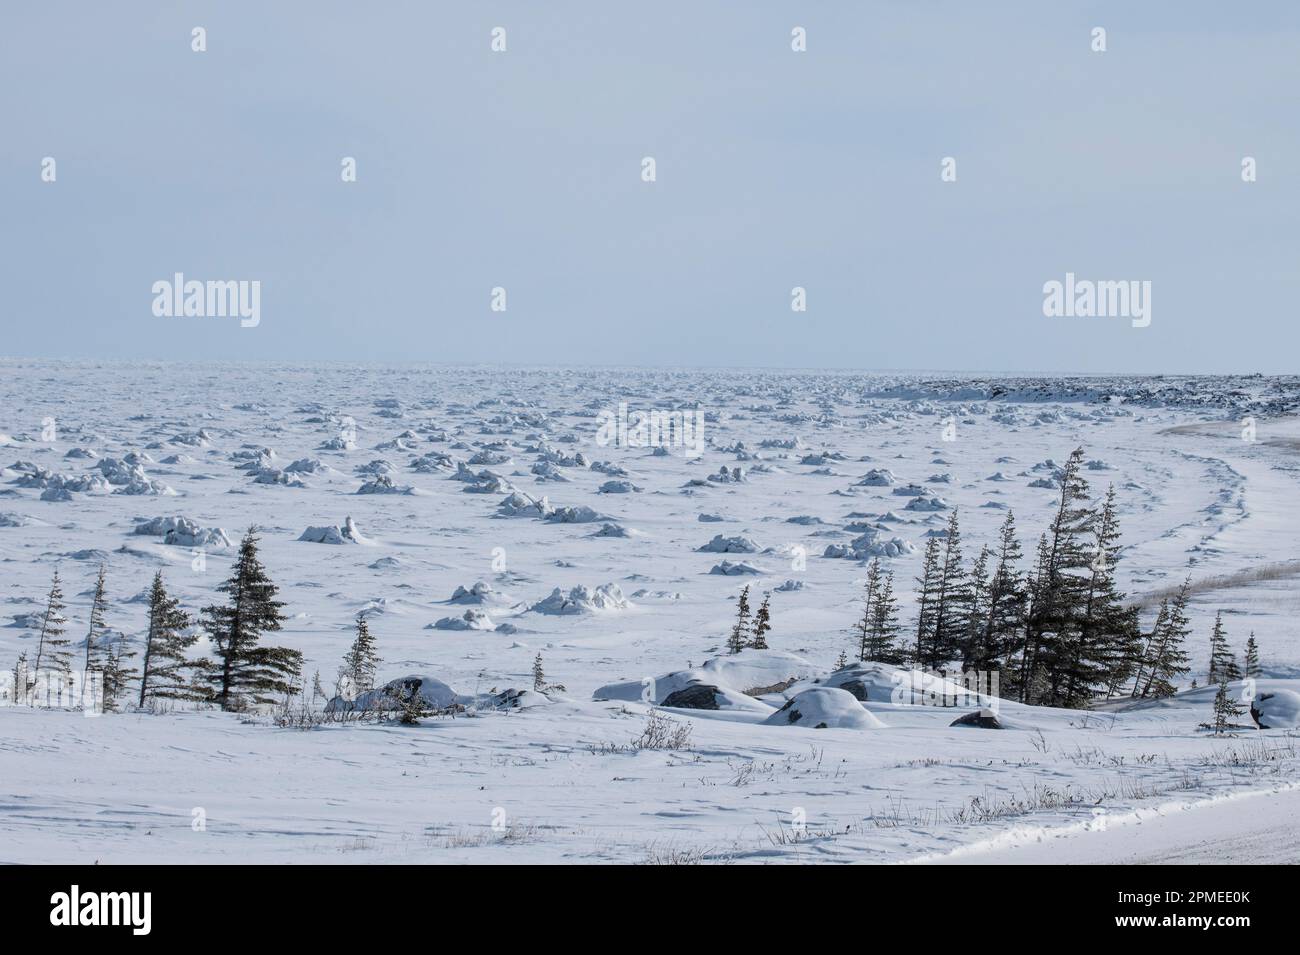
column 824, row 708
column 333, row 534
column 729, row 545
column 582, row 599
column 1276, row 709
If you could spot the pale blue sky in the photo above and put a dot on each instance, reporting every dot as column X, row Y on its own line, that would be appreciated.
column 775, row 169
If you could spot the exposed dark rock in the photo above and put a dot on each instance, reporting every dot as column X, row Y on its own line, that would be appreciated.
column 697, row 696
column 984, row 719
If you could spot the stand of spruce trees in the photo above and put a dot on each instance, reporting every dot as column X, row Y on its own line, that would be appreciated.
column 1061, row 634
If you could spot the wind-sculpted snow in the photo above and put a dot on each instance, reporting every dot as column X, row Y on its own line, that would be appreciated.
column 479, row 519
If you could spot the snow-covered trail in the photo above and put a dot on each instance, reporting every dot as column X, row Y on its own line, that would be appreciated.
column 1261, row 827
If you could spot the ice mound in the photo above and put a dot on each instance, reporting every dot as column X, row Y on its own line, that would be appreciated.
column 575, row 515
column 997, row 476
column 128, row 477
column 807, row 520
column 824, row 708
column 471, row 620
column 729, row 545
column 910, row 490
column 383, row 484
column 724, row 683
column 374, row 467
column 520, row 504
column 484, row 458
column 484, row 482
column 871, row 544
column 283, row 478
column 926, row 504
column 789, row 585
column 432, row 462
column 545, row 471
column 10, row 519
column 81, row 453
column 615, row 530
column 183, row 532
column 877, row 477
column 582, row 599
column 432, row 692
column 479, row 594
column 729, row 569
column 307, row 466
column 724, row 476
column 1277, row 709
column 710, row 518
column 253, row 458
column 610, row 468
column 618, row 487
column 883, row 683
column 333, row 534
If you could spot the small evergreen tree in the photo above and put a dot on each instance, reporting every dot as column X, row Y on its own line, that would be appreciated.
column 361, row 662
column 247, row 672
column 52, row 648
column 1223, row 663
column 1226, row 709
column 98, row 605
column 1252, row 669
column 927, row 598
column 539, row 675
column 953, row 598
column 165, row 673
column 740, row 632
column 864, row 625
column 762, row 624
column 882, row 641
column 1168, row 661
column 116, row 673
column 22, row 681
column 842, row 660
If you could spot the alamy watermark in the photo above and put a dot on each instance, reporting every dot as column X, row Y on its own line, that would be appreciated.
column 1084, row 298
column 227, row 298
column 681, row 429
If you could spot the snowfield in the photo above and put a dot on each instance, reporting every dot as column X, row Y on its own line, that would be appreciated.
column 478, row 519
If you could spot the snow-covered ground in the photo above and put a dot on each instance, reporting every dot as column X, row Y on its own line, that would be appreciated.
column 353, row 477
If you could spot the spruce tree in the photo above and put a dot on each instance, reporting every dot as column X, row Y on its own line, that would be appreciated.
column 1223, row 663
column 1226, row 709
column 927, row 596
column 1168, row 661
column 165, row 673
column 52, row 649
column 864, row 624
column 762, row 625
column 977, row 613
column 882, row 641
column 1057, row 634
column 952, row 599
column 247, row 672
column 1108, row 636
column 1252, row 669
column 539, row 675
column 1001, row 639
column 116, row 673
column 740, row 632
column 98, row 606
column 361, row 662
